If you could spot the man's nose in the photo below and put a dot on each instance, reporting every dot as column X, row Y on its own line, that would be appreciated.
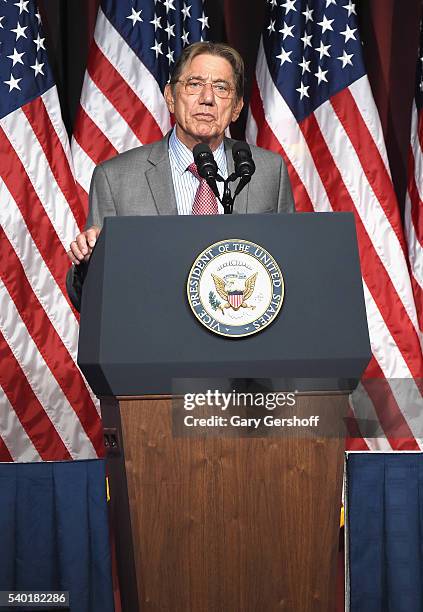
column 207, row 95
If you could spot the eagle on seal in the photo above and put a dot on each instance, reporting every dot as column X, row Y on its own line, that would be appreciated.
column 234, row 298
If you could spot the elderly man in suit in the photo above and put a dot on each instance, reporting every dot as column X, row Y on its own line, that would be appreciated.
column 205, row 95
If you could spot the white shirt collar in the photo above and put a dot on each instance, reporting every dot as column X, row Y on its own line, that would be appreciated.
column 182, row 157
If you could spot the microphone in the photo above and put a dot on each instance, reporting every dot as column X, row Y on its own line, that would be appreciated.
column 244, row 164
column 206, row 165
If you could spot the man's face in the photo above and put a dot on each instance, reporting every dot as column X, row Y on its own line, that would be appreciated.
column 203, row 117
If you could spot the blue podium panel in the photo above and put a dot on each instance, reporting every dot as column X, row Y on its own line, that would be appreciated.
column 55, row 534
column 138, row 331
column 384, row 527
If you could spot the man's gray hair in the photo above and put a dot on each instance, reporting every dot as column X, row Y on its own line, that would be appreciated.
column 211, row 48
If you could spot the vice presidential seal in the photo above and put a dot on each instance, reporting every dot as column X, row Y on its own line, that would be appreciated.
column 235, row 288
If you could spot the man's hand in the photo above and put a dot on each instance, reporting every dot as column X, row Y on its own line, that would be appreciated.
column 82, row 247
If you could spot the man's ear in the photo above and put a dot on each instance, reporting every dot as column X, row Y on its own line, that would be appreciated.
column 168, row 96
column 237, row 109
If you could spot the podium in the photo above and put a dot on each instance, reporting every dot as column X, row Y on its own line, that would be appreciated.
column 235, row 522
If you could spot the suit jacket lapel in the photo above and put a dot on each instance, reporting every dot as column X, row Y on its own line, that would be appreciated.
column 159, row 178
column 241, row 201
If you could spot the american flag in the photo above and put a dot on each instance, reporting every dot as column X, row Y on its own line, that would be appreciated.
column 413, row 218
column 136, row 43
column 47, row 411
column 312, row 103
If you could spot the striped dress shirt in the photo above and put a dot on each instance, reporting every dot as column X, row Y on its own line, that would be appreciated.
column 184, row 181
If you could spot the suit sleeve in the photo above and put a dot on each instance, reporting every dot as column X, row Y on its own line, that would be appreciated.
column 101, row 199
column 285, row 198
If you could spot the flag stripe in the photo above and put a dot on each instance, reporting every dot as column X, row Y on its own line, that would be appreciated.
column 132, row 70
column 418, row 296
column 374, row 217
column 331, row 133
column 38, row 223
column 40, row 123
column 354, row 442
column 52, row 105
column 122, row 104
column 389, row 414
column 270, row 106
column 14, row 435
column 5, row 456
column 402, row 393
column 413, row 214
column 372, row 267
column 364, row 410
column 123, row 98
column 84, row 168
column 42, row 283
column 266, row 139
column 44, row 385
column 48, row 410
column 416, row 145
column 105, row 117
column 284, row 126
column 415, row 249
column 415, row 196
column 387, row 354
column 44, row 436
column 413, row 205
column 92, row 140
column 395, row 411
column 83, row 198
column 361, row 93
column 369, row 156
column 27, row 147
column 251, row 128
column 48, row 342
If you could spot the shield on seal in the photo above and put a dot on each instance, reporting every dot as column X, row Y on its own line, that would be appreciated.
column 235, row 299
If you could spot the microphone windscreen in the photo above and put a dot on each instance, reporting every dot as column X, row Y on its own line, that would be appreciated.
column 204, row 160
column 241, row 146
column 201, row 148
column 243, row 159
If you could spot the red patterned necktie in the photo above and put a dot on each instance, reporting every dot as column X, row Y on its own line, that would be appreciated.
column 205, row 202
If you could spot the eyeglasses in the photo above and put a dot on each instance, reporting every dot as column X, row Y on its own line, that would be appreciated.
column 193, row 87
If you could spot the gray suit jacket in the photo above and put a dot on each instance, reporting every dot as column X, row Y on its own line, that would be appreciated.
column 139, row 182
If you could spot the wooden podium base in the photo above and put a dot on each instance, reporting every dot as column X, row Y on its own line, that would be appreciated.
column 234, row 524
